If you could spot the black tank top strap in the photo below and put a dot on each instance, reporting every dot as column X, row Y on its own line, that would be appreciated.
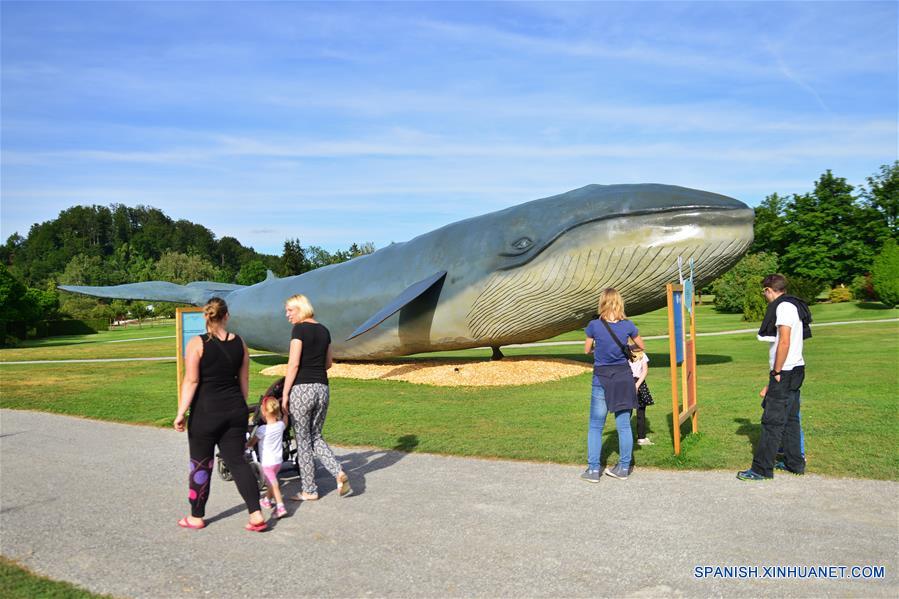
column 221, row 360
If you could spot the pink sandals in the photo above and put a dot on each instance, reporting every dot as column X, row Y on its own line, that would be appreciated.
column 259, row 527
column 185, row 523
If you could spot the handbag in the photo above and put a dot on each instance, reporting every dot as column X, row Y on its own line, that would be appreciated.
column 626, row 350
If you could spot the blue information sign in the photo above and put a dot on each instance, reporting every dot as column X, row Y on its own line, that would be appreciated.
column 192, row 324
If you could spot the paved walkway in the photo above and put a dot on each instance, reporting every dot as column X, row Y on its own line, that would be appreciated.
column 96, row 503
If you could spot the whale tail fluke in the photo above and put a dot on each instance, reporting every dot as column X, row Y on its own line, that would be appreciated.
column 196, row 293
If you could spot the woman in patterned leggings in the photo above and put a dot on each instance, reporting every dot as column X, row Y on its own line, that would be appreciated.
column 306, row 396
column 216, row 381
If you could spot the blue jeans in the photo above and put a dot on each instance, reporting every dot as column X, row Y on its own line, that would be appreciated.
column 598, row 411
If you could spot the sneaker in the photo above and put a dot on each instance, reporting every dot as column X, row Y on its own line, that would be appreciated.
column 644, row 441
column 266, row 503
column 281, row 511
column 591, row 476
column 750, row 474
column 618, row 472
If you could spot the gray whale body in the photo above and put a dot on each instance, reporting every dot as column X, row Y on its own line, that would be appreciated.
column 517, row 275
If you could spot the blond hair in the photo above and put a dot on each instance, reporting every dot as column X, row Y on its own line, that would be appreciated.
column 611, row 306
column 301, row 303
column 271, row 405
column 215, row 310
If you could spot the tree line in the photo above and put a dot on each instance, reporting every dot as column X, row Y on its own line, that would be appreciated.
column 833, row 236
column 115, row 244
column 836, row 236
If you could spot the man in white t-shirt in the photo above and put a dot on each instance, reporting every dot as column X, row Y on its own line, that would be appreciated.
column 784, row 324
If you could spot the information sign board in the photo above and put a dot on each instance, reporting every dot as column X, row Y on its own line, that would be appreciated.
column 189, row 322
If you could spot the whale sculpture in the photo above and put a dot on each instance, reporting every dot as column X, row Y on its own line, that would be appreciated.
column 517, row 275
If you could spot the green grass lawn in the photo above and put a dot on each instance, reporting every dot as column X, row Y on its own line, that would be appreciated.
column 146, row 341
column 849, row 403
column 710, row 321
column 17, row 582
column 158, row 340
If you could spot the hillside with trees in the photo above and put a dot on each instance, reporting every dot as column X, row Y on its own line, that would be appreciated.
column 111, row 245
column 833, row 237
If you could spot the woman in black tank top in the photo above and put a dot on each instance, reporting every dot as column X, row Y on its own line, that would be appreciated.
column 219, row 386
column 215, row 387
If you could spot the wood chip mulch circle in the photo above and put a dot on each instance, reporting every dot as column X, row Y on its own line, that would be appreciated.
column 457, row 373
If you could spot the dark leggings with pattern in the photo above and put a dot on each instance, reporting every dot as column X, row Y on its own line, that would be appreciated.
column 228, row 430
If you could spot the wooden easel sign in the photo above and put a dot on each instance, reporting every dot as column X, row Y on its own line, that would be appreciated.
column 682, row 352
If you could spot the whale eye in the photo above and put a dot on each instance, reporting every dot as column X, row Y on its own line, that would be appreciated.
column 522, row 244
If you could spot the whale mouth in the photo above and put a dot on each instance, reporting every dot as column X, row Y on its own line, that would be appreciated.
column 522, row 256
column 556, row 291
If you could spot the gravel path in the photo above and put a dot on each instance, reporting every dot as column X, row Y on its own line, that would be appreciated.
column 96, row 503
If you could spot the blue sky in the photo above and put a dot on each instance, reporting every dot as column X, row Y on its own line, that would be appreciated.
column 342, row 122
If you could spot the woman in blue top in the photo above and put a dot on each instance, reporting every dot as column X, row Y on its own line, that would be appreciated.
column 613, row 383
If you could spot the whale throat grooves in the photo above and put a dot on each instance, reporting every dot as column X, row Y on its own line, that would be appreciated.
column 559, row 294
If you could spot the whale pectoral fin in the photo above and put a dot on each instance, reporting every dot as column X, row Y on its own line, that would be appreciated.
column 408, row 295
column 160, row 291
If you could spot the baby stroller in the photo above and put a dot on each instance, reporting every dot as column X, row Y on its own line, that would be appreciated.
column 254, row 421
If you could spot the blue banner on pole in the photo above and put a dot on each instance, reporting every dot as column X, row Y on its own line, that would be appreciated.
column 192, row 324
column 688, row 295
column 688, row 290
column 678, row 307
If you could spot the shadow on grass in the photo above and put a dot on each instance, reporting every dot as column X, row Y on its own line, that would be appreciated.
column 704, row 359
column 686, row 429
column 610, row 443
column 649, row 430
column 269, row 360
column 751, row 430
column 872, row 306
column 577, row 357
column 654, row 358
column 38, row 344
